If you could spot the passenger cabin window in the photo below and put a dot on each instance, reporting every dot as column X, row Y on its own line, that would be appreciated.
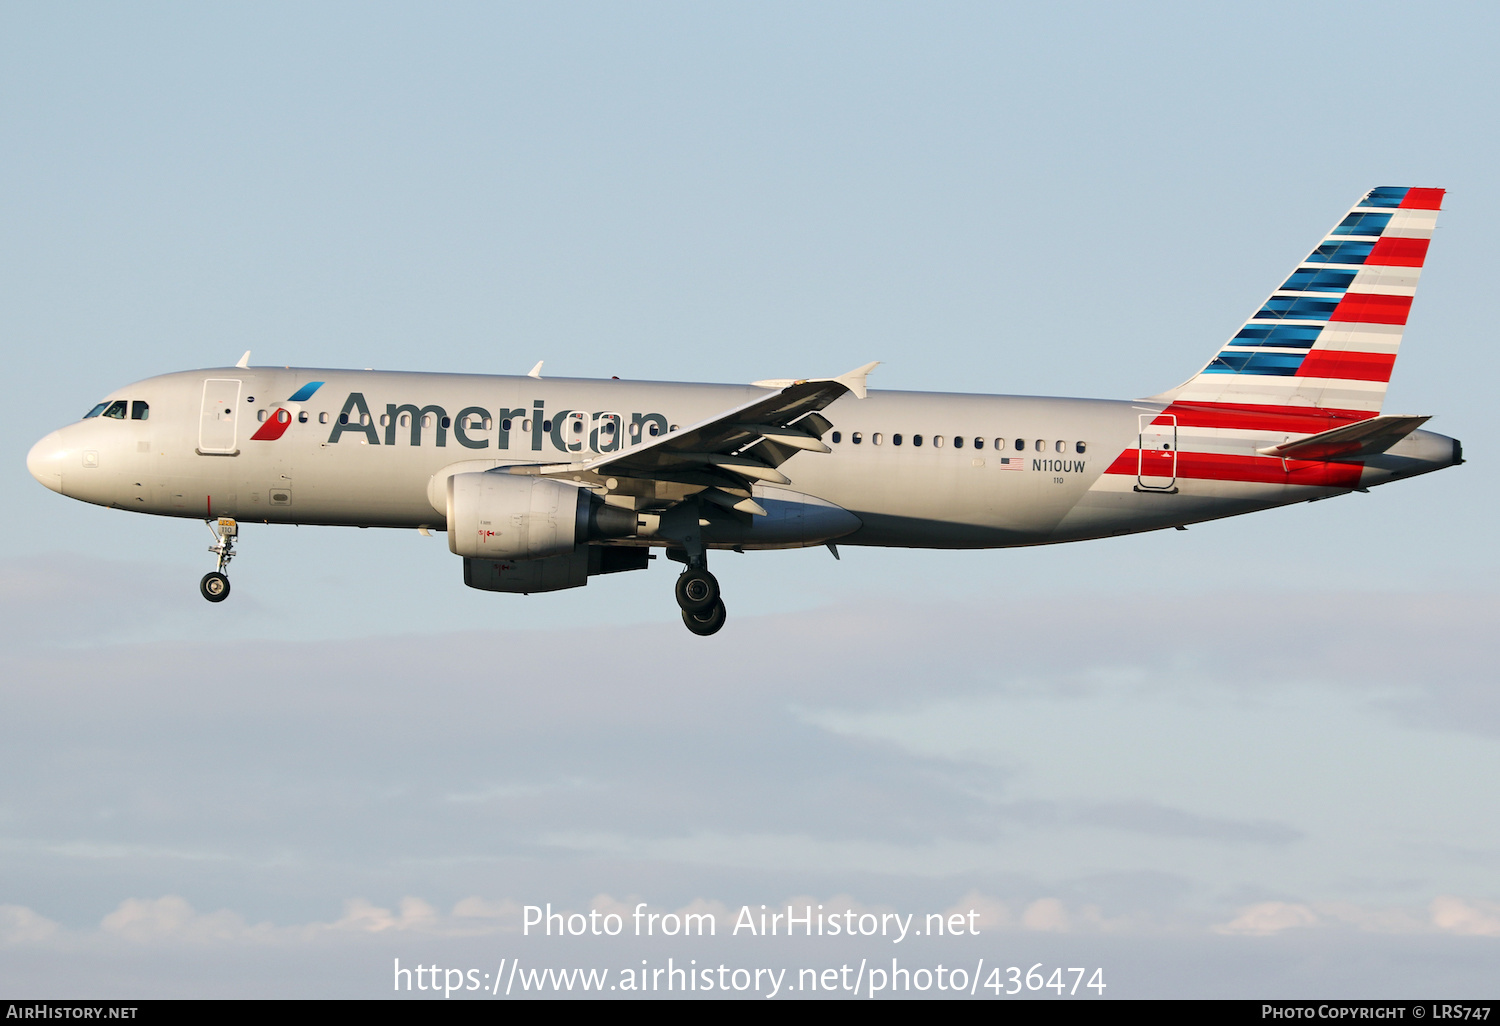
column 837, row 438
column 1041, row 445
column 140, row 411
column 323, row 418
column 877, row 438
column 1020, row 445
column 95, row 411
column 116, row 410
column 260, row 415
column 856, row 438
column 1080, row 448
column 895, row 439
column 937, row 440
column 958, row 441
column 916, row 439
column 302, row 417
column 1062, row 446
column 979, row 443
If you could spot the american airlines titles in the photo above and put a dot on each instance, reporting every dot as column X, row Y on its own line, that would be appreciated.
column 566, row 430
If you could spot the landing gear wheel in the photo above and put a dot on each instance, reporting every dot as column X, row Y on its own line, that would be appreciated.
column 215, row 587
column 707, row 622
column 697, row 591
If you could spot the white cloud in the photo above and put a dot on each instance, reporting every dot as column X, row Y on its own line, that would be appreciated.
column 1269, row 917
column 172, row 919
column 19, row 925
column 1470, row 918
column 1046, row 914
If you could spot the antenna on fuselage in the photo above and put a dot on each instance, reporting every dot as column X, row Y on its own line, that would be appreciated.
column 536, row 372
column 244, row 360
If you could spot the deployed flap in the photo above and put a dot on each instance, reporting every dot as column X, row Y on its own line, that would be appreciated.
column 1352, row 441
column 739, row 446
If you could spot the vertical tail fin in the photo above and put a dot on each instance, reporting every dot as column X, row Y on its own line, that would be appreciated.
column 1324, row 343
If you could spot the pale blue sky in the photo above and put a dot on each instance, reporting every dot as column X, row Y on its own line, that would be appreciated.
column 1289, row 713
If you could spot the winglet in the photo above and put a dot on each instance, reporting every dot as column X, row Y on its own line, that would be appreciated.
column 536, row 372
column 244, row 360
column 854, row 381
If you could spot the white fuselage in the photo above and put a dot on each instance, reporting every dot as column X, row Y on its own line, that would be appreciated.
column 373, row 448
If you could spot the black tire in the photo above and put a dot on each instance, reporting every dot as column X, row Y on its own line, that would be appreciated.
column 697, row 591
column 706, row 623
column 215, row 586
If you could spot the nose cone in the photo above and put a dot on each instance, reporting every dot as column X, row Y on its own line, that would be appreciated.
column 45, row 461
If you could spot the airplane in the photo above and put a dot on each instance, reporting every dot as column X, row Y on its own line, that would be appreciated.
column 543, row 483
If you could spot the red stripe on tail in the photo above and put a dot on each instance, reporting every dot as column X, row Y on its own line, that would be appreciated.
column 1423, row 199
column 1395, row 252
column 1333, row 363
column 1368, row 308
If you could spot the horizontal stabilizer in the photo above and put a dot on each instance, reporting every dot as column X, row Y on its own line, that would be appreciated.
column 1350, row 442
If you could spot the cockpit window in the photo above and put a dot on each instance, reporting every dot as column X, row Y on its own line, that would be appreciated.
column 95, row 411
column 139, row 410
column 116, row 410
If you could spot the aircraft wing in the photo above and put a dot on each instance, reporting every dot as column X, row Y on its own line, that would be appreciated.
column 1350, row 442
column 731, row 451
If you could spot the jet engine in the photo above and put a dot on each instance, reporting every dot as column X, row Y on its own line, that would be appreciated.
column 511, row 516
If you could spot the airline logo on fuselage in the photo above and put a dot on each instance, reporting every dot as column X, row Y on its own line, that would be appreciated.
column 281, row 418
column 476, row 427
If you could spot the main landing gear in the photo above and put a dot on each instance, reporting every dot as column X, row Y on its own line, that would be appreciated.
column 215, row 584
column 697, row 589
column 698, row 597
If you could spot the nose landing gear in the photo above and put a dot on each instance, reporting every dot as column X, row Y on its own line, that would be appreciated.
column 215, row 584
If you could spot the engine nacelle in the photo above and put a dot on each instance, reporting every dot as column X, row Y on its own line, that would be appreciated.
column 507, row 516
column 552, row 573
column 514, row 516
